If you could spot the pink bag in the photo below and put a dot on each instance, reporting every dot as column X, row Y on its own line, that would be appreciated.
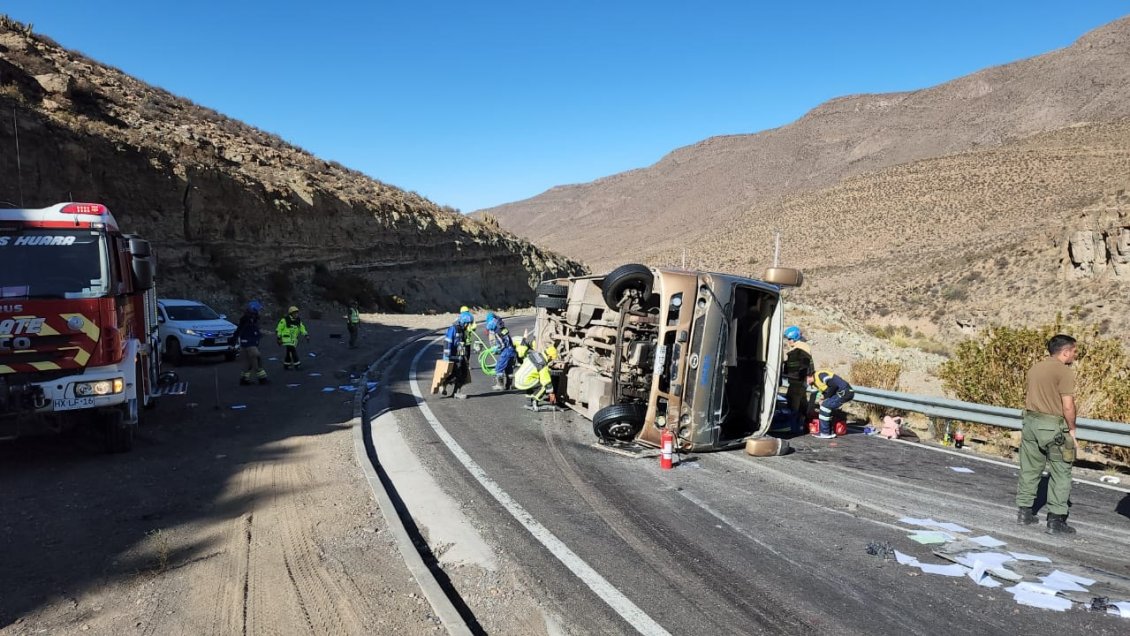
column 891, row 427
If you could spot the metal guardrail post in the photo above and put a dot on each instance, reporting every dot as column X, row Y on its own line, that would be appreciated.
column 1087, row 429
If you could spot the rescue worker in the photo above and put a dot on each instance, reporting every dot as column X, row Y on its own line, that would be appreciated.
column 457, row 350
column 248, row 333
column 836, row 392
column 797, row 367
column 524, row 345
column 1047, row 436
column 353, row 324
column 534, row 374
column 289, row 329
column 503, row 346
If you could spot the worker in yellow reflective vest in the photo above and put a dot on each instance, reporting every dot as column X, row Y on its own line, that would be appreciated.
column 534, row 373
column 289, row 329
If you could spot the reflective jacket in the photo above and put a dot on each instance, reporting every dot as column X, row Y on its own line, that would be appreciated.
column 831, row 384
column 289, row 330
column 533, row 371
column 354, row 316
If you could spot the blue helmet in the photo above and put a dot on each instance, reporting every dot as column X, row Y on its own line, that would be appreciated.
column 465, row 318
column 255, row 306
column 491, row 316
column 793, row 333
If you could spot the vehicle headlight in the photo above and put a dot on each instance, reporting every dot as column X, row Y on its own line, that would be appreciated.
column 188, row 332
column 101, row 387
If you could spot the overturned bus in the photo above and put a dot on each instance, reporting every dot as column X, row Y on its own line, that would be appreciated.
column 644, row 349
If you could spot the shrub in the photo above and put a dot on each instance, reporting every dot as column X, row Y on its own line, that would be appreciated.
column 876, row 374
column 993, row 369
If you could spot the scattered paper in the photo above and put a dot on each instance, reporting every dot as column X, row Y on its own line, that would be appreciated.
column 1120, row 609
column 1029, row 587
column 989, row 581
column 990, row 559
column 1110, row 479
column 987, row 541
column 930, row 538
column 951, row 569
column 314, row 374
column 1043, row 601
column 348, row 388
column 961, row 469
column 978, row 570
column 293, row 385
column 1020, row 556
column 906, row 559
column 1063, row 582
column 238, row 407
column 952, row 527
column 312, row 354
column 1006, row 574
column 911, row 521
column 329, row 389
column 371, row 385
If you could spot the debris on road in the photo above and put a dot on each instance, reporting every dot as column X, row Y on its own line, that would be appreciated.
column 238, row 407
column 961, row 469
column 884, row 550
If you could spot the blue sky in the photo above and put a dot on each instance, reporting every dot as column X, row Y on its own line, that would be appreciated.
column 474, row 104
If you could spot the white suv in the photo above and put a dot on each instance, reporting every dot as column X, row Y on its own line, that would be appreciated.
column 188, row 327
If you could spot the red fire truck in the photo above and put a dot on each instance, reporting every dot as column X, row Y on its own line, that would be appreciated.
column 78, row 323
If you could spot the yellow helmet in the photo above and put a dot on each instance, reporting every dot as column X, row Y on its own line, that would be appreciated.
column 551, row 352
column 821, row 379
column 292, row 310
column 464, row 308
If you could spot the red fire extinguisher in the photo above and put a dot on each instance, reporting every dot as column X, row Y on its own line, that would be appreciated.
column 667, row 442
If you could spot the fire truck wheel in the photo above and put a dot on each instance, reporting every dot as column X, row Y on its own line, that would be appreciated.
column 172, row 351
column 119, row 434
column 619, row 422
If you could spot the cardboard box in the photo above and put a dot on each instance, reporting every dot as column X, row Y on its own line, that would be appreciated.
column 443, row 369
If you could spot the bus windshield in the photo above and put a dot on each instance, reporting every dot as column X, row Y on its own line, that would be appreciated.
column 49, row 263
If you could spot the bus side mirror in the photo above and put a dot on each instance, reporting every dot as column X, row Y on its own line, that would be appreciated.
column 784, row 276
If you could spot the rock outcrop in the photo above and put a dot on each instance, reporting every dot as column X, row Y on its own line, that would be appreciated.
column 1098, row 245
column 235, row 212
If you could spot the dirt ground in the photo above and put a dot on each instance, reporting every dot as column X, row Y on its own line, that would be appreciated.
column 222, row 520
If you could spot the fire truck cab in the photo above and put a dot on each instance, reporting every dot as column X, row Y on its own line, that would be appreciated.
column 78, row 323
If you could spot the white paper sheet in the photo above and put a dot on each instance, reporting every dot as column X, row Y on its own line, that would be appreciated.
column 1030, row 588
column 292, row 386
column 931, row 538
column 911, row 521
column 906, row 559
column 961, row 469
column 990, row 559
column 987, row 541
column 328, row 389
column 1060, row 581
column 1020, row 556
column 952, row 569
column 977, row 571
column 1074, row 578
column 1043, row 601
column 952, row 527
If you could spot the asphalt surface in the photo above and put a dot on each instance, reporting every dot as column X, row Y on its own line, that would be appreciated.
column 726, row 543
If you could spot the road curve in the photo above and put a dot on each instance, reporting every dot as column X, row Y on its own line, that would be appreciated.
column 731, row 544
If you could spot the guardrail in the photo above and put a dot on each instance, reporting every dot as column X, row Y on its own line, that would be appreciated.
column 1086, row 429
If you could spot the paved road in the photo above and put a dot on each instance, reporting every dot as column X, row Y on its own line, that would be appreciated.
column 731, row 544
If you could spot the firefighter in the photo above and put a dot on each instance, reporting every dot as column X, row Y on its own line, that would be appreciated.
column 503, row 346
column 836, row 393
column 797, row 367
column 249, row 334
column 534, row 374
column 289, row 329
column 353, row 324
column 457, row 350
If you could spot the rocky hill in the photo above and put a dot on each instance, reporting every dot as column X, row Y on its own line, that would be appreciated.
column 235, row 212
column 724, row 184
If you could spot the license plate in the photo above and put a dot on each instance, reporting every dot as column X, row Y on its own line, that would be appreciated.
column 70, row 404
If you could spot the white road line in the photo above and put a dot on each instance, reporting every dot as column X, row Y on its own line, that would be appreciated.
column 615, row 599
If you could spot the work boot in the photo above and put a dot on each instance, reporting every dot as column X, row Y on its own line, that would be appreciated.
column 498, row 386
column 443, row 390
column 1057, row 524
column 459, row 395
column 1025, row 516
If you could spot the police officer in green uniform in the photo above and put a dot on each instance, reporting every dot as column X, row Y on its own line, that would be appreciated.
column 1048, row 435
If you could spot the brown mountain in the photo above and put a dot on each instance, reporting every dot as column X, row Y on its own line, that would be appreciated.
column 708, row 190
column 235, row 212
